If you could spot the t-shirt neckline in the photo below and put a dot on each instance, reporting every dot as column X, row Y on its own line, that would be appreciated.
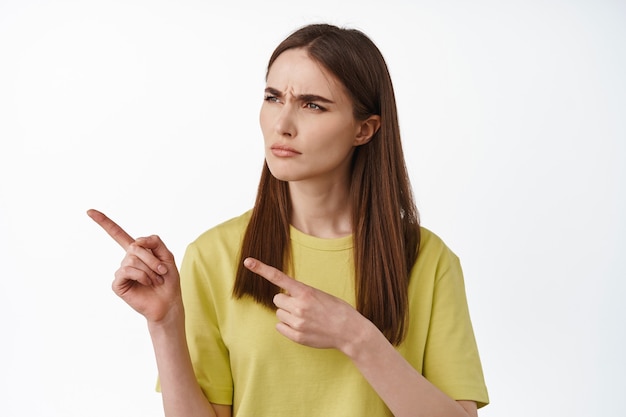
column 332, row 244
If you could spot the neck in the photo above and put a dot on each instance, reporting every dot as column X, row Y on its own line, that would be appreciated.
column 324, row 212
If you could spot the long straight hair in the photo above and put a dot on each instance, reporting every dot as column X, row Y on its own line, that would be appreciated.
column 385, row 220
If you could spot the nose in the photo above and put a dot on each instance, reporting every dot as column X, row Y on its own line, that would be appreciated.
column 285, row 124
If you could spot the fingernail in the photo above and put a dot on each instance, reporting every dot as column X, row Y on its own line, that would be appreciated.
column 162, row 269
column 249, row 263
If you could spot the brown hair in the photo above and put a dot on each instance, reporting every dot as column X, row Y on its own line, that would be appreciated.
column 385, row 220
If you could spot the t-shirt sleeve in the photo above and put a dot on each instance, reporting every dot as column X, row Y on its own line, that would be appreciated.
column 451, row 358
column 209, row 354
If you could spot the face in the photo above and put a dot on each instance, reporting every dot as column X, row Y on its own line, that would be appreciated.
column 307, row 121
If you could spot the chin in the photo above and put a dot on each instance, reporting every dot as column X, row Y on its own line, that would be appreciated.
column 281, row 176
column 282, row 173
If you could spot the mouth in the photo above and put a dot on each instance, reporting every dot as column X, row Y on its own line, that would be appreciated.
column 283, row 151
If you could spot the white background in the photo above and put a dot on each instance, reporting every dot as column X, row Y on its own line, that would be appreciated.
column 513, row 120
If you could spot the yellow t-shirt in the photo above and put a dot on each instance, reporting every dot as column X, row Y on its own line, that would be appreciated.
column 239, row 358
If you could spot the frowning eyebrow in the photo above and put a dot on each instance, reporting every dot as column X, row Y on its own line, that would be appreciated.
column 301, row 97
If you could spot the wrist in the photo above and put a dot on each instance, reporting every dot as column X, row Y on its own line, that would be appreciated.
column 361, row 340
column 172, row 320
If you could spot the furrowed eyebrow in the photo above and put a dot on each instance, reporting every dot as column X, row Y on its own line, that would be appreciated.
column 301, row 97
column 273, row 92
column 313, row 97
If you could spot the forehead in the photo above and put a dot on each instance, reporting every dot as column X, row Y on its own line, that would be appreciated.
column 294, row 71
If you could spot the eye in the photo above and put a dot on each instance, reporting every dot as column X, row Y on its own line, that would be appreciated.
column 271, row 99
column 314, row 106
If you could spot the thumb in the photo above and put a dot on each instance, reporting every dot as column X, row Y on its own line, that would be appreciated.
column 157, row 247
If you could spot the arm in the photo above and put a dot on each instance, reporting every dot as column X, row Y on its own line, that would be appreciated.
column 180, row 389
column 405, row 391
column 148, row 281
column 316, row 319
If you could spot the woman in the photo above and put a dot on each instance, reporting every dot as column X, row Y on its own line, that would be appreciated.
column 369, row 308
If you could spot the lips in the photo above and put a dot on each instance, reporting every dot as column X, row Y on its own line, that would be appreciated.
column 283, row 151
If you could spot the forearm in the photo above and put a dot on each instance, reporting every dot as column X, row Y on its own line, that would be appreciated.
column 181, row 393
column 404, row 390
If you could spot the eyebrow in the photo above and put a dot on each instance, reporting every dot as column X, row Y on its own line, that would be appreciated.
column 301, row 97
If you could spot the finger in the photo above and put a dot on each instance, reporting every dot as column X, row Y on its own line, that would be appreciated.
column 285, row 302
column 136, row 262
column 116, row 232
column 126, row 275
column 296, row 323
column 142, row 251
column 274, row 276
column 156, row 248
column 291, row 333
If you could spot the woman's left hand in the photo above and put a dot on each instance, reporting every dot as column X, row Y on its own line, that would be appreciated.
column 309, row 316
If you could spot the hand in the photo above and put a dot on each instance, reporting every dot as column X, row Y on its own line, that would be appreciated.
column 147, row 279
column 309, row 316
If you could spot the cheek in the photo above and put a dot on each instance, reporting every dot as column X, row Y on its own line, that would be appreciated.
column 338, row 135
column 262, row 117
column 264, row 122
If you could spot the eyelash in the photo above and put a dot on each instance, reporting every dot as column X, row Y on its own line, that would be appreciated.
column 316, row 107
column 312, row 106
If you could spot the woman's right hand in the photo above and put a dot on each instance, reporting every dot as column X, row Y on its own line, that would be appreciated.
column 147, row 279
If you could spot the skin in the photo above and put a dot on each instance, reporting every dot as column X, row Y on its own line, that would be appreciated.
column 310, row 134
column 148, row 281
column 308, row 111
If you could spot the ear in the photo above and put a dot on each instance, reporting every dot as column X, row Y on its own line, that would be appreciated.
column 367, row 129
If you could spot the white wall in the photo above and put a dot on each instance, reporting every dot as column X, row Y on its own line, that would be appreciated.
column 513, row 115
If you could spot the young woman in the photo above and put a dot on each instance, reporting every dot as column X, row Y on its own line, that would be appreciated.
column 327, row 298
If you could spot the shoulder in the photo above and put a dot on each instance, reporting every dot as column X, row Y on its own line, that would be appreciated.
column 229, row 230
column 222, row 239
column 433, row 246
column 435, row 259
column 214, row 253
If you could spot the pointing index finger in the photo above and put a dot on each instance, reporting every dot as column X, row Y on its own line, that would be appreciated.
column 116, row 232
column 274, row 276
